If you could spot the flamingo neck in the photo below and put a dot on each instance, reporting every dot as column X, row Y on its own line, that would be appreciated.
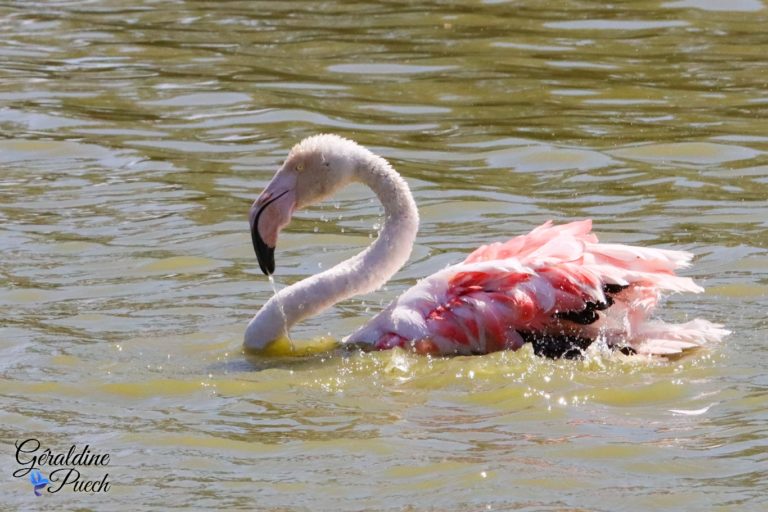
column 362, row 273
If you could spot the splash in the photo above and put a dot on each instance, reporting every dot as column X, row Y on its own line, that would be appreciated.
column 284, row 347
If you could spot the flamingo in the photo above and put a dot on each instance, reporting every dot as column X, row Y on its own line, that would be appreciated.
column 556, row 287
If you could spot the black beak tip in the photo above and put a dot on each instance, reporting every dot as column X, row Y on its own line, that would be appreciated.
column 264, row 253
column 267, row 261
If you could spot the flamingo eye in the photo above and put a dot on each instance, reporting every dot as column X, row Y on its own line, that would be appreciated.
column 300, row 166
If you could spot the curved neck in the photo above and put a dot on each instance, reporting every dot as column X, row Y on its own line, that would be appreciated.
column 363, row 273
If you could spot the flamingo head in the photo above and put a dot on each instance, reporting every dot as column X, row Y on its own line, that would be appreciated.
column 315, row 168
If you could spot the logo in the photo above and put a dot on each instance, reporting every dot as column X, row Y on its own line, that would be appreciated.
column 64, row 469
column 38, row 480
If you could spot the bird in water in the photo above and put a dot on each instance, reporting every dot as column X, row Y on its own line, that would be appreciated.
column 557, row 287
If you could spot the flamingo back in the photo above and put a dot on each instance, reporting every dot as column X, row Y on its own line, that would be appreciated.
column 556, row 287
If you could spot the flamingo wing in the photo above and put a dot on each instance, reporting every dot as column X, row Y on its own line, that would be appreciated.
column 556, row 287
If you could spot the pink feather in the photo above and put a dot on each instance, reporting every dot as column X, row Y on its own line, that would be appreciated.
column 505, row 293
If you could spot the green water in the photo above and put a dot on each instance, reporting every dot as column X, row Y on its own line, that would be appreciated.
column 134, row 136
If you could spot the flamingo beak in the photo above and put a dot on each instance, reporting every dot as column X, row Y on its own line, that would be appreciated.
column 268, row 215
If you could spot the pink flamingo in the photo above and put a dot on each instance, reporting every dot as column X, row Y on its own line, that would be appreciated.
column 556, row 287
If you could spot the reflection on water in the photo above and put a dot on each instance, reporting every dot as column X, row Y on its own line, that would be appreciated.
column 135, row 137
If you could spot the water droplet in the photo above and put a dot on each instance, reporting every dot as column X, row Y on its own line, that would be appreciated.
column 282, row 311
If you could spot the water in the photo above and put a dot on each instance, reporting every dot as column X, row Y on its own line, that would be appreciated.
column 272, row 283
column 135, row 137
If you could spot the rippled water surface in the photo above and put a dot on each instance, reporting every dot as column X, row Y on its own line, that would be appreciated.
column 134, row 135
